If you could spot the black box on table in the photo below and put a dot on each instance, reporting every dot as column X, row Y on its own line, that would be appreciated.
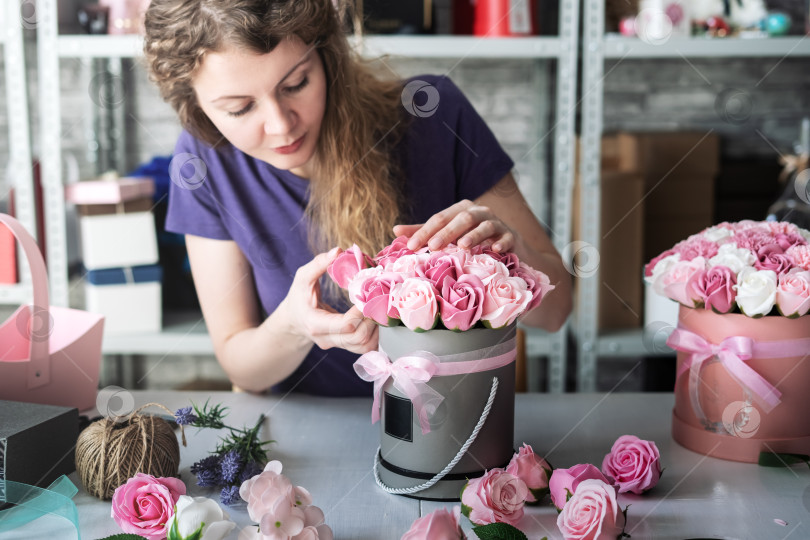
column 37, row 443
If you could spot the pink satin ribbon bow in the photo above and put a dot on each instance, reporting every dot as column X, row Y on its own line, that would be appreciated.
column 732, row 353
column 411, row 374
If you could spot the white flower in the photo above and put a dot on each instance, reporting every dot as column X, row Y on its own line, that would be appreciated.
column 198, row 514
column 729, row 255
column 717, row 234
column 756, row 291
column 805, row 233
column 410, row 265
column 660, row 269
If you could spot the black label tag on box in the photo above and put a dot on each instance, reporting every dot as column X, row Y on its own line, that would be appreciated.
column 398, row 417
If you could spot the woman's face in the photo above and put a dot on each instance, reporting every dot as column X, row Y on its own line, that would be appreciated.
column 270, row 106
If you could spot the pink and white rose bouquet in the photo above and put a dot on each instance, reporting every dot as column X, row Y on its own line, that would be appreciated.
column 750, row 267
column 453, row 288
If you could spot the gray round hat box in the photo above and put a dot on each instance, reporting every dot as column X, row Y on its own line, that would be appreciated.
column 410, row 458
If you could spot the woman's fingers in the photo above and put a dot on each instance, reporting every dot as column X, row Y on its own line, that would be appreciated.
column 435, row 224
column 407, row 230
column 310, row 273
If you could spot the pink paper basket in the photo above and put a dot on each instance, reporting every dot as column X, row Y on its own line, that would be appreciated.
column 48, row 354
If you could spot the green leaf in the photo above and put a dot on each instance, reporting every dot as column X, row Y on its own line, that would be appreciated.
column 499, row 531
column 465, row 510
column 123, row 536
column 773, row 459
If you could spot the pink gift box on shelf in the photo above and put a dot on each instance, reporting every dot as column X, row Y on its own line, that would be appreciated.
column 109, row 191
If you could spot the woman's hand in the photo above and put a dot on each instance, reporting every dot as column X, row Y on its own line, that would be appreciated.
column 319, row 323
column 466, row 224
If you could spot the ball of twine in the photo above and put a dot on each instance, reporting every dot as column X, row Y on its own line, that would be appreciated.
column 112, row 450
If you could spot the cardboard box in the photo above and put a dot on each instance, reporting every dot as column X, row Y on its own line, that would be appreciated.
column 118, row 240
column 110, row 191
column 144, row 204
column 620, row 250
column 129, row 298
column 36, row 442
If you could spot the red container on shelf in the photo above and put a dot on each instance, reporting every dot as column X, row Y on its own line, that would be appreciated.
column 505, row 18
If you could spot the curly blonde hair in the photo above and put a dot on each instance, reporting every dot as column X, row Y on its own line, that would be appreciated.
column 355, row 192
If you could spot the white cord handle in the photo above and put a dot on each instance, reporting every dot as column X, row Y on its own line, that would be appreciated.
column 449, row 467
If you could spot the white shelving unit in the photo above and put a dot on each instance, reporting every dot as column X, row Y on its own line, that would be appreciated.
column 19, row 168
column 597, row 47
column 178, row 339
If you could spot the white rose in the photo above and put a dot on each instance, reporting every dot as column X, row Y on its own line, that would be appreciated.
column 410, row 265
column 805, row 233
column 198, row 514
column 717, row 234
column 729, row 255
column 660, row 269
column 756, row 291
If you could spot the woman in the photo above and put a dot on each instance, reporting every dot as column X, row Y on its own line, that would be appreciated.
column 292, row 145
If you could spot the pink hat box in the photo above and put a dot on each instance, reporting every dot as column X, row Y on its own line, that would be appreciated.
column 716, row 413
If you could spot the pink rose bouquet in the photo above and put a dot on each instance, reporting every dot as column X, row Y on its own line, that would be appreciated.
column 283, row 511
column 145, row 505
column 452, row 288
column 750, row 267
column 634, row 464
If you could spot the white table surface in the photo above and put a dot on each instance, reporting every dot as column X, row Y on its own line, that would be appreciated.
column 327, row 446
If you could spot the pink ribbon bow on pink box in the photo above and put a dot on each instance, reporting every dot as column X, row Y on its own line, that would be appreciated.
column 733, row 353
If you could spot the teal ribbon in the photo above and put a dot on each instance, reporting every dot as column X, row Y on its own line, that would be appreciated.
column 33, row 502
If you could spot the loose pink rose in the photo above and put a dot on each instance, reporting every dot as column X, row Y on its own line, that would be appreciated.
column 648, row 269
column 495, row 497
column 461, row 302
column 564, row 482
column 347, row 264
column 677, row 281
column 393, row 251
column 800, row 256
column 793, row 293
column 264, row 490
column 533, row 470
column 371, row 293
column 144, row 504
column 485, row 267
column 537, row 282
column 715, row 287
column 696, row 247
column 441, row 265
column 440, row 524
column 415, row 301
column 634, row 464
column 593, row 513
column 505, row 299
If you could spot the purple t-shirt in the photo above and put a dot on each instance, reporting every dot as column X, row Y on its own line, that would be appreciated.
column 447, row 156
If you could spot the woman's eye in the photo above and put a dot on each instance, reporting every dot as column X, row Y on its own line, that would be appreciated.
column 298, row 87
column 242, row 111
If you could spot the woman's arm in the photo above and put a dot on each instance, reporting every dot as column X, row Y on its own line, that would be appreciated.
column 501, row 218
column 257, row 354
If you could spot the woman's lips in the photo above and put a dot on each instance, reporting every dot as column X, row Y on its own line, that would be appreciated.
column 290, row 148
